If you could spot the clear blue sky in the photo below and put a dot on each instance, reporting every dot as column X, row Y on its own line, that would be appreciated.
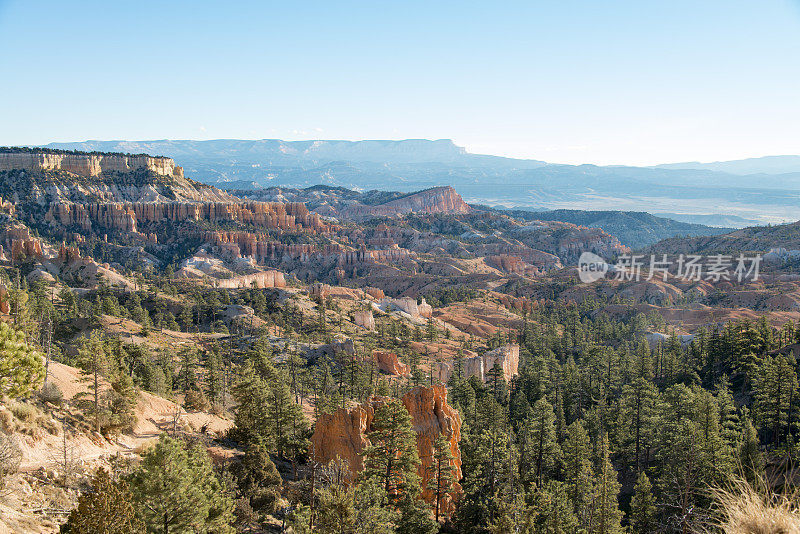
column 596, row 81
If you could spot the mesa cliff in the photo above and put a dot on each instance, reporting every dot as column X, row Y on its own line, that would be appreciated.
column 87, row 164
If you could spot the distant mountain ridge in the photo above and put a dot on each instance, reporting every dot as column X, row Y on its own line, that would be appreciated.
column 417, row 164
column 755, row 239
column 634, row 229
column 763, row 165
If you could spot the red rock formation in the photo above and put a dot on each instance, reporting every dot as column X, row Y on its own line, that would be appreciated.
column 375, row 293
column 430, row 417
column 388, row 363
column 4, row 306
column 68, row 254
column 264, row 250
column 344, row 432
column 20, row 242
column 319, row 290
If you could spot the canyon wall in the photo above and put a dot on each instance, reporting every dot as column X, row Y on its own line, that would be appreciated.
column 343, row 433
column 87, row 164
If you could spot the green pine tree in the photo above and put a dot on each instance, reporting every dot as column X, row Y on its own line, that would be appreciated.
column 441, row 473
column 258, row 479
column 577, row 469
column 175, row 490
column 21, row 367
column 606, row 515
column 643, row 509
column 391, row 457
column 106, row 509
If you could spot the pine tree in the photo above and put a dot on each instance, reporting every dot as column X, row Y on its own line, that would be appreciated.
column 94, row 365
column 352, row 509
column 643, row 509
column 266, row 410
column 750, row 456
column 550, row 512
column 730, row 425
column 539, row 449
column 774, row 389
column 391, row 457
column 638, row 410
column 106, row 509
column 21, row 367
column 415, row 517
column 441, row 473
column 258, row 479
column 214, row 376
column 187, row 375
column 606, row 515
column 577, row 469
column 175, row 490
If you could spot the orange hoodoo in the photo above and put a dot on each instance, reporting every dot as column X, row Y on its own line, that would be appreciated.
column 343, row 433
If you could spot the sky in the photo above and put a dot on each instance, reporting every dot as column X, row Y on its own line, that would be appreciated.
column 605, row 82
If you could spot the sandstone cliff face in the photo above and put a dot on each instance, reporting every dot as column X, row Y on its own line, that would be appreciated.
column 344, row 432
column 375, row 292
column 364, row 319
column 436, row 200
column 507, row 357
column 430, row 417
column 88, row 165
column 18, row 241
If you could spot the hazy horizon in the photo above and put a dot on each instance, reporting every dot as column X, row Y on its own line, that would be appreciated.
column 467, row 149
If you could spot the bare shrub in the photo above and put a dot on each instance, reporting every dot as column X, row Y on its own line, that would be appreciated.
column 27, row 413
column 51, row 393
column 65, row 459
column 10, row 456
column 6, row 420
column 196, row 401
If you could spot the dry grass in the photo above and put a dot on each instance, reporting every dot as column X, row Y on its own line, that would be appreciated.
column 26, row 418
column 745, row 509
